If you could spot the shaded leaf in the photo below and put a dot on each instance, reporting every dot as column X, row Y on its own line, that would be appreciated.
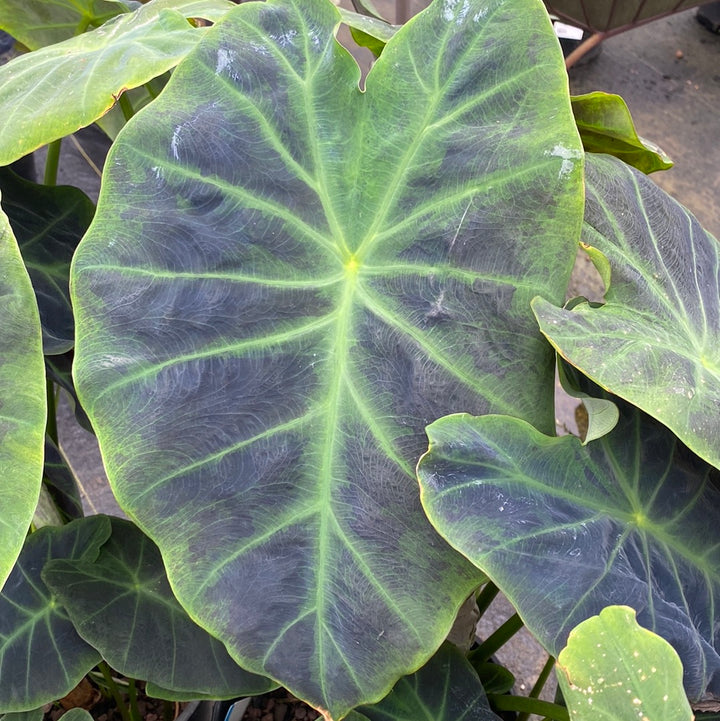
column 34, row 715
column 444, row 689
column 22, row 401
column 333, row 270
column 367, row 31
column 48, row 223
column 612, row 668
column 59, row 371
column 61, row 482
column 606, row 126
column 54, row 91
column 656, row 340
column 615, row 15
column 42, row 658
column 565, row 530
column 121, row 603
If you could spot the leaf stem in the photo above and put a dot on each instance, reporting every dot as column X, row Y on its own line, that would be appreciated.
column 52, row 161
column 114, row 691
column 496, row 640
column 486, row 596
column 539, row 684
column 126, row 106
column 51, row 423
column 548, row 709
column 132, row 701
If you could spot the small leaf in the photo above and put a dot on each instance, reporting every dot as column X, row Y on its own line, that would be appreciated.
column 54, row 91
column 606, row 126
column 656, row 340
column 22, row 401
column 565, row 530
column 121, row 603
column 41, row 655
column 613, row 668
column 48, row 223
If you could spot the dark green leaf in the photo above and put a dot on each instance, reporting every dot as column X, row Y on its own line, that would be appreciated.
column 61, row 482
column 606, row 126
column 613, row 669
column 42, row 658
column 22, row 401
column 615, row 15
column 121, row 604
column 494, row 677
column 48, row 223
column 51, row 92
column 286, row 280
column 445, row 689
column 59, row 371
column 656, row 341
column 565, row 530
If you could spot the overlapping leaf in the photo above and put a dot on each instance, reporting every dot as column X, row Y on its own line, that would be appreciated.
column 615, row 15
column 656, row 341
column 565, row 530
column 121, row 603
column 286, row 280
column 444, row 689
column 42, row 658
column 22, row 401
column 54, row 91
column 48, row 223
column 613, row 669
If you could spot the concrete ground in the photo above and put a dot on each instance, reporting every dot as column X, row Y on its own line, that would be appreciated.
column 669, row 74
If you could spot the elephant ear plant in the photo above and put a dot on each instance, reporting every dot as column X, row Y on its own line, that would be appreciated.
column 290, row 274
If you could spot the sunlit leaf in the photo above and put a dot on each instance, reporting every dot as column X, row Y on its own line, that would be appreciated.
column 613, row 669
column 22, row 401
column 656, row 340
column 121, row 603
column 54, row 91
column 286, row 280
column 42, row 658
column 565, row 530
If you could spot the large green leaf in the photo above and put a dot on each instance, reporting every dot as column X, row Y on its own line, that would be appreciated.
column 36, row 23
column 616, row 15
column 121, row 604
column 54, row 91
column 42, row 658
column 613, row 669
column 656, row 341
column 286, row 280
column 22, row 401
column 565, row 530
column 48, row 223
column 446, row 688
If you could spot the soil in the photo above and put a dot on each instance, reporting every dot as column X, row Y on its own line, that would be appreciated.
column 279, row 705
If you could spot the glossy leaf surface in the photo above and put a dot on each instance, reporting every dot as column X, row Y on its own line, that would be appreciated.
column 615, row 15
column 565, row 530
column 445, row 689
column 121, row 603
column 48, row 223
column 37, row 23
column 606, row 126
column 656, row 341
column 42, row 658
column 612, row 668
column 54, row 91
column 22, row 401
column 286, row 280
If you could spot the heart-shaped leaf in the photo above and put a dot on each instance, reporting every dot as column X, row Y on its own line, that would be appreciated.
column 54, row 91
column 612, row 668
column 22, row 401
column 606, row 126
column 565, row 530
column 42, row 658
column 656, row 341
column 615, row 15
column 446, row 688
column 48, row 223
column 286, row 280
column 121, row 604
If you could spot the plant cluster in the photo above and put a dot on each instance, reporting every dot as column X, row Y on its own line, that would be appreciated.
column 314, row 325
